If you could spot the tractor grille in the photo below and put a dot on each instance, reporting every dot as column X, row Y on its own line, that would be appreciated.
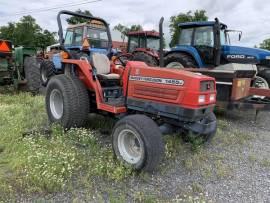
column 159, row 93
column 207, row 86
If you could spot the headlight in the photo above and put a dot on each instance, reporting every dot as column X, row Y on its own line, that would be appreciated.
column 212, row 97
column 201, row 99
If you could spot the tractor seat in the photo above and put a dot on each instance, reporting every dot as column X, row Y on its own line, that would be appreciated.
column 103, row 67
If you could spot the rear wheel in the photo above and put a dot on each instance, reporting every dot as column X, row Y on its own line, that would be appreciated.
column 179, row 60
column 46, row 71
column 137, row 141
column 67, row 101
column 32, row 74
column 144, row 57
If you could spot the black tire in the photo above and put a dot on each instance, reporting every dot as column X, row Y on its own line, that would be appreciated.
column 149, row 138
column 32, row 74
column 202, row 138
column 46, row 72
column 185, row 60
column 144, row 57
column 75, row 101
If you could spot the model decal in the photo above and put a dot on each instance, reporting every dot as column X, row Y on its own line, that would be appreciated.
column 157, row 80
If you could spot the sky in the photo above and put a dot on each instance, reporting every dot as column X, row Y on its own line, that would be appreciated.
column 250, row 16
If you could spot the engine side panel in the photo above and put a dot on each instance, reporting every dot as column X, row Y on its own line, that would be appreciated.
column 175, row 87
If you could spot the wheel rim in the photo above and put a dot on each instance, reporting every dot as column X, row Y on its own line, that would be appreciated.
column 260, row 83
column 175, row 64
column 56, row 104
column 130, row 146
column 44, row 75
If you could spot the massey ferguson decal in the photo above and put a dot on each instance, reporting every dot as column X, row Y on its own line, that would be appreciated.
column 157, row 80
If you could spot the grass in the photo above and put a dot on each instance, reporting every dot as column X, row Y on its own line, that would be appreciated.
column 34, row 162
column 265, row 162
column 37, row 161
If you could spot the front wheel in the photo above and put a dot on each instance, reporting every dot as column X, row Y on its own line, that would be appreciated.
column 137, row 141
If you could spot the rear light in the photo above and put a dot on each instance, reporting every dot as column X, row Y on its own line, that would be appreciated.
column 201, row 99
column 212, row 97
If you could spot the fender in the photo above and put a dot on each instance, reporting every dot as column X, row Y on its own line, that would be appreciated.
column 189, row 50
column 85, row 74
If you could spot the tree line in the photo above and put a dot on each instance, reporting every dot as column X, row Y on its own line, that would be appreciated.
column 26, row 32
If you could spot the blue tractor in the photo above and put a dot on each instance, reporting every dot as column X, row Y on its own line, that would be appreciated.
column 207, row 45
column 82, row 41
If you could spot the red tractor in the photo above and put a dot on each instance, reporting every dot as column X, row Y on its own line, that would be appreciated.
column 144, row 46
column 147, row 101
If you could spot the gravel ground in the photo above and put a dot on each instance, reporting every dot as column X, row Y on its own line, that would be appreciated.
column 235, row 167
column 250, row 181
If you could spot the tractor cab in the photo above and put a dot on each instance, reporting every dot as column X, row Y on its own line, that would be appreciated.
column 143, row 39
column 80, row 41
column 208, row 44
column 144, row 46
column 203, row 40
column 91, row 36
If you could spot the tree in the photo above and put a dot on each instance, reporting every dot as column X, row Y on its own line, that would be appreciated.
column 77, row 20
column 42, row 40
column 136, row 28
column 27, row 33
column 124, row 30
column 265, row 44
column 198, row 15
column 7, row 32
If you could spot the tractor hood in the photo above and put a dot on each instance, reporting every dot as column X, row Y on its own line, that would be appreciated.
column 238, row 52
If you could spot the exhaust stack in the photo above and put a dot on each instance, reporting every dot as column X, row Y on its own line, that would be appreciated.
column 161, row 58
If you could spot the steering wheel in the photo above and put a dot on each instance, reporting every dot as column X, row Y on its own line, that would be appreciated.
column 123, row 59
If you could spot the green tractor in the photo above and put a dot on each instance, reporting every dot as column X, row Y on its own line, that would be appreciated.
column 19, row 67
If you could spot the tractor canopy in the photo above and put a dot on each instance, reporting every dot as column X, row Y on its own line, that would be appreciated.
column 144, row 33
column 200, row 24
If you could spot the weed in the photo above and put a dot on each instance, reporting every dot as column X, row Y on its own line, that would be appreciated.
column 265, row 162
column 253, row 158
column 197, row 188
